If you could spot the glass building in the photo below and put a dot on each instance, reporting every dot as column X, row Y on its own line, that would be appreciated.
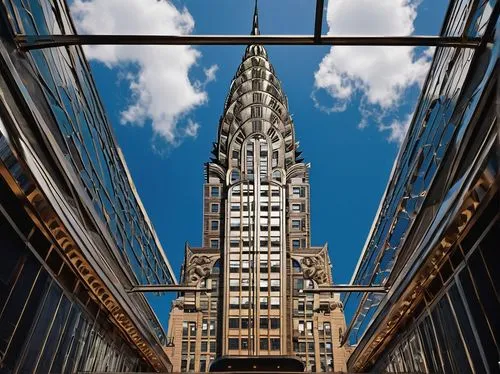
column 74, row 235
column 75, row 238
column 434, row 241
column 257, row 256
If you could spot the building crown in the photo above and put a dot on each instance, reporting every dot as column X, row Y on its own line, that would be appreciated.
column 255, row 105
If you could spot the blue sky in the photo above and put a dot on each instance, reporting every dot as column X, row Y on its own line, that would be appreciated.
column 349, row 115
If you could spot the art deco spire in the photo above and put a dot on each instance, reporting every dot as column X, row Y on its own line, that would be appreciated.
column 255, row 26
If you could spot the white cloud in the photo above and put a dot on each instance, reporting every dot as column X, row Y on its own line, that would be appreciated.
column 379, row 75
column 157, row 76
column 397, row 129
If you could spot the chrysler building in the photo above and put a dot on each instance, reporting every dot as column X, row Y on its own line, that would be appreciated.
column 257, row 258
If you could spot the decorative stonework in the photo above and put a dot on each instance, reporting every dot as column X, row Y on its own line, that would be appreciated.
column 199, row 268
column 314, row 268
column 178, row 303
column 336, row 304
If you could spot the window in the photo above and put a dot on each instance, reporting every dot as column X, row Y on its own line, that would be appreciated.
column 204, row 328
column 234, row 343
column 214, row 191
column 299, row 191
column 235, row 176
column 264, row 285
column 214, row 208
column 275, row 302
column 234, row 284
column 263, row 303
column 275, row 344
column 295, row 243
column 234, row 266
column 264, row 344
column 234, row 243
column 246, row 322
column 245, row 302
column 296, row 208
column 264, row 323
column 212, row 347
column 236, row 155
column 235, row 223
column 234, row 323
column 275, row 284
column 275, row 159
column 277, row 175
column 244, row 343
column 214, row 243
column 328, row 328
column 275, row 323
column 234, row 303
column 204, row 346
column 275, row 192
column 309, row 328
column 214, row 225
column 275, row 266
column 296, row 224
column 235, row 207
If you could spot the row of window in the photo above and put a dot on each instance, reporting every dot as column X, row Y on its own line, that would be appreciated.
column 303, row 347
column 272, row 344
column 245, row 323
column 237, row 302
column 234, row 284
column 297, row 224
column 296, row 191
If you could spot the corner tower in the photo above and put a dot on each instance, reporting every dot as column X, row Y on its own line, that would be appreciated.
column 256, row 254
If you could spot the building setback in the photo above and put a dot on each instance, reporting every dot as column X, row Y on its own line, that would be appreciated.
column 256, row 256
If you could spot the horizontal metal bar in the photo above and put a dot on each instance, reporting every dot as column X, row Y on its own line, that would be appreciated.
column 167, row 288
column 348, row 288
column 28, row 42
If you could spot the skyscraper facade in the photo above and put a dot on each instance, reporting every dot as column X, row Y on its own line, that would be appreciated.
column 256, row 256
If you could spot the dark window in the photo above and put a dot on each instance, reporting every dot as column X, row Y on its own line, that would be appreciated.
column 214, row 225
column 275, row 344
column 275, row 323
column 264, row 344
column 234, row 323
column 244, row 343
column 234, row 343
column 214, row 192
column 264, row 323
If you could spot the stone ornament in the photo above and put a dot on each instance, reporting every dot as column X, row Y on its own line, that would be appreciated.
column 198, row 269
column 313, row 267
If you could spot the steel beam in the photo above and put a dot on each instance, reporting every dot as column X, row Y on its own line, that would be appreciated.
column 167, row 288
column 318, row 21
column 348, row 288
column 29, row 42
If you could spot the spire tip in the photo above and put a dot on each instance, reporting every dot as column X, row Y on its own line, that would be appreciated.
column 255, row 26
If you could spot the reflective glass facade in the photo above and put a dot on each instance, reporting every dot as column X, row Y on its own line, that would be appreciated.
column 438, row 213
column 74, row 235
column 441, row 118
column 81, row 131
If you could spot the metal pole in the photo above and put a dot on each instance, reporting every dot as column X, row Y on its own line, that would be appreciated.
column 28, row 42
column 348, row 288
column 166, row 288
